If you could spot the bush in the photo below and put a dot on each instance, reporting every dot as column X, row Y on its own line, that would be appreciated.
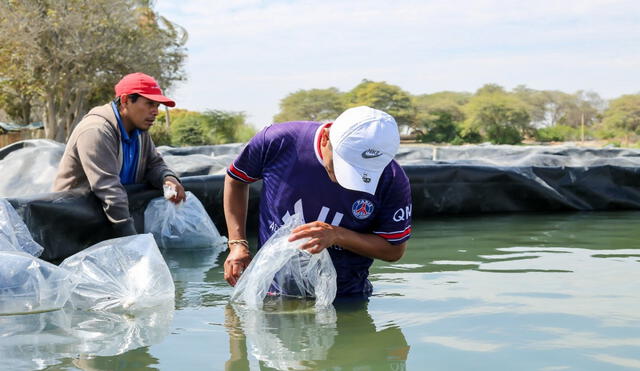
column 160, row 135
column 557, row 133
column 189, row 130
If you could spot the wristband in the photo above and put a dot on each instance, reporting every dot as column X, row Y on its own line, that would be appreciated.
column 245, row 243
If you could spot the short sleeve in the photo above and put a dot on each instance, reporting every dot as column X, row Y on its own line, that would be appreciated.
column 393, row 221
column 248, row 166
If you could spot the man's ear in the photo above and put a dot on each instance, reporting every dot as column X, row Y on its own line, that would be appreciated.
column 124, row 98
column 324, row 138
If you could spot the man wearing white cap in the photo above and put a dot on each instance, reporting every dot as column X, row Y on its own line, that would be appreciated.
column 341, row 176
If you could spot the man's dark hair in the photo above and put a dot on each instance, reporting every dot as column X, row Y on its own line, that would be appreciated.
column 132, row 97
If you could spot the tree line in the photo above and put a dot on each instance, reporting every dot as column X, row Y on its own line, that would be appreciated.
column 491, row 113
column 59, row 58
column 190, row 128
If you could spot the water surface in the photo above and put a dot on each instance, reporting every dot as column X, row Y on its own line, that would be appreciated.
column 489, row 292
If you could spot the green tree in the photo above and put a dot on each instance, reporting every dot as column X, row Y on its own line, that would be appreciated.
column 385, row 97
column 490, row 89
column 623, row 115
column 226, row 127
column 557, row 133
column 70, row 53
column 311, row 105
column 440, row 116
column 190, row 128
column 160, row 132
column 501, row 118
column 582, row 106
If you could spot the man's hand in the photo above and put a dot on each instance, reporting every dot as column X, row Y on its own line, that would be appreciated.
column 237, row 261
column 321, row 235
column 177, row 186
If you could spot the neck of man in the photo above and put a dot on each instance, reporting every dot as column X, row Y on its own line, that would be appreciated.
column 126, row 122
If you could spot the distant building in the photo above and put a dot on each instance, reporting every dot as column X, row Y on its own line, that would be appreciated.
column 10, row 133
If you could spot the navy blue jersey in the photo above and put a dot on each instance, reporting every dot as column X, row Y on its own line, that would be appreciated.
column 287, row 158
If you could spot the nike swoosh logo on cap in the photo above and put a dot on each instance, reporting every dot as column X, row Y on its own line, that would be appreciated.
column 371, row 153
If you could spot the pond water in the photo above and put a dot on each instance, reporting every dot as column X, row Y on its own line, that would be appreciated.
column 488, row 292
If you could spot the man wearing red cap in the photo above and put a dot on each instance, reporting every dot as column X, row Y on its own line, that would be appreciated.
column 111, row 147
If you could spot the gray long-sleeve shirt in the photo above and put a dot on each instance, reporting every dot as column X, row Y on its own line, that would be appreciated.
column 93, row 158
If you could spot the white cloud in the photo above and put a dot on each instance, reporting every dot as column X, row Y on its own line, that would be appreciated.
column 247, row 55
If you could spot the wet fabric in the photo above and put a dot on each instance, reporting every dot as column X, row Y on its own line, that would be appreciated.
column 282, row 270
column 14, row 234
column 185, row 225
column 29, row 284
column 122, row 274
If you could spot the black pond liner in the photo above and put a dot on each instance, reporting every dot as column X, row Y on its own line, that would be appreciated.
column 444, row 181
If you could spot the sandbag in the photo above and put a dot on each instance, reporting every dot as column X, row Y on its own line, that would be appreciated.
column 14, row 234
column 29, row 284
column 121, row 274
column 281, row 269
column 186, row 225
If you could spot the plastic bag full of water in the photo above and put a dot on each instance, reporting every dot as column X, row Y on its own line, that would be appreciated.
column 185, row 225
column 281, row 269
column 14, row 234
column 29, row 284
column 121, row 274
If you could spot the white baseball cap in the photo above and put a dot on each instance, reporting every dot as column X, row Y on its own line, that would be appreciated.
column 364, row 141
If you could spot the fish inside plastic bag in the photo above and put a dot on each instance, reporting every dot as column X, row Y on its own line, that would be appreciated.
column 121, row 274
column 29, row 284
column 14, row 234
column 186, row 225
column 281, row 270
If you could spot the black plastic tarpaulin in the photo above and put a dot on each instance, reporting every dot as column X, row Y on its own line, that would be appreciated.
column 444, row 180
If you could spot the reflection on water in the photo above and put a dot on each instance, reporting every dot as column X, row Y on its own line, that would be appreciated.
column 296, row 336
column 35, row 341
column 191, row 270
column 501, row 292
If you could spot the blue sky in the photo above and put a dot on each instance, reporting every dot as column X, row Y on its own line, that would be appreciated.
column 246, row 55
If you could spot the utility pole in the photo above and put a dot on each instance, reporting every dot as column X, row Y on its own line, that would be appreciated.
column 167, row 119
column 581, row 127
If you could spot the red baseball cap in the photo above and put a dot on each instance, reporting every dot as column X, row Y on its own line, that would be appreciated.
column 144, row 85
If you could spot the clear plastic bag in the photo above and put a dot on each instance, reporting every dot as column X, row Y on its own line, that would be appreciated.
column 29, row 284
column 126, row 273
column 186, row 225
column 281, row 269
column 107, row 333
column 14, row 234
